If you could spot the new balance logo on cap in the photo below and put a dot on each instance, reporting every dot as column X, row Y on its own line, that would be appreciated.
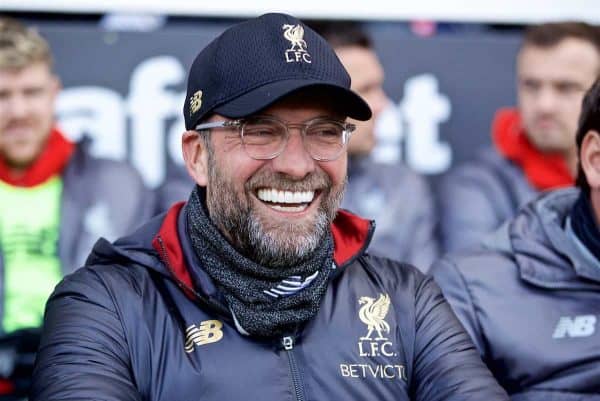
column 196, row 102
column 578, row 326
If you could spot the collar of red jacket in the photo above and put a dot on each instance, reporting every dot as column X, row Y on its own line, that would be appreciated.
column 350, row 236
column 51, row 161
column 543, row 171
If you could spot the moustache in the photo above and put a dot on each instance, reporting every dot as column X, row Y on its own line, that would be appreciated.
column 315, row 181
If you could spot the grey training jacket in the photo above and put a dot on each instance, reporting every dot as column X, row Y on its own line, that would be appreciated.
column 402, row 205
column 531, row 303
column 477, row 197
column 100, row 198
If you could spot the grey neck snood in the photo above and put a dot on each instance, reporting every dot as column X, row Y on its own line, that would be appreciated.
column 266, row 302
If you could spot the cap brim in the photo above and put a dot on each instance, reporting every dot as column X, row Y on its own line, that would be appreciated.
column 259, row 98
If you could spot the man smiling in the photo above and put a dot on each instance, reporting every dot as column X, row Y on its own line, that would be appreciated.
column 258, row 287
column 273, row 205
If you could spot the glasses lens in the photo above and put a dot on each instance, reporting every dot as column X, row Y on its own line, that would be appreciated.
column 325, row 139
column 263, row 138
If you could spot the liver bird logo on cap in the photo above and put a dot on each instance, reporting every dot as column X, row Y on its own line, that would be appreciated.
column 298, row 52
column 295, row 34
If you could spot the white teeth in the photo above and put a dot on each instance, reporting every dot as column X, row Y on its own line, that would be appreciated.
column 275, row 196
column 296, row 197
column 266, row 195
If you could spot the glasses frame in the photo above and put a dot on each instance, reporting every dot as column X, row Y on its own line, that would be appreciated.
column 240, row 123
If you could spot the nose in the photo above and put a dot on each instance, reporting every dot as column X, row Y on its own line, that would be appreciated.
column 17, row 107
column 546, row 100
column 294, row 160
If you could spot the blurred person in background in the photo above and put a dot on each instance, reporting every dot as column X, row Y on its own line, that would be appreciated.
column 533, row 147
column 398, row 199
column 56, row 199
column 530, row 300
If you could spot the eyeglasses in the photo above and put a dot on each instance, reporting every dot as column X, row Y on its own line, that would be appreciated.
column 264, row 138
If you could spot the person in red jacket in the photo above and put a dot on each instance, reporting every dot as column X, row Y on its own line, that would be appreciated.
column 56, row 199
column 533, row 147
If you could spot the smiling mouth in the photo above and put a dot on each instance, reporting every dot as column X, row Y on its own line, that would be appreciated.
column 285, row 201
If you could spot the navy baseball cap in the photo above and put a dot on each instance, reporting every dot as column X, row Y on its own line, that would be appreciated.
column 257, row 62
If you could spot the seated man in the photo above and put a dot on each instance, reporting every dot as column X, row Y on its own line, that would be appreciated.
column 257, row 287
column 531, row 299
column 56, row 200
column 534, row 148
column 397, row 198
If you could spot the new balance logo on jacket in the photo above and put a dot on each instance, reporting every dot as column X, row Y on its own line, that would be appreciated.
column 210, row 331
column 577, row 326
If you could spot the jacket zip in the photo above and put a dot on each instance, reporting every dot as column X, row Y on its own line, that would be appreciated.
column 288, row 345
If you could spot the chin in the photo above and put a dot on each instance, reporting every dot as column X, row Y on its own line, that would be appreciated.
column 21, row 160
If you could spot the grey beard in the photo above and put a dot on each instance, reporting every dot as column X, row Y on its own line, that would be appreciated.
column 269, row 246
column 274, row 250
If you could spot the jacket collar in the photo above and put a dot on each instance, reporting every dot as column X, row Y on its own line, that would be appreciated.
column 351, row 236
column 545, row 253
column 167, row 243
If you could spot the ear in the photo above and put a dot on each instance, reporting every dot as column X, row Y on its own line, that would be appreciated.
column 195, row 156
column 590, row 158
